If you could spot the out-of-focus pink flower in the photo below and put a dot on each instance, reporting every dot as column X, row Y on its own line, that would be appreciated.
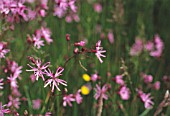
column 149, row 46
column 147, row 78
column 97, row 7
column 81, row 43
column 15, row 92
column 94, row 77
column 72, row 5
column 99, row 51
column 13, row 81
column 31, row 14
column 146, row 99
column 78, row 97
column 67, row 99
column 33, row 78
column 36, row 104
column 137, row 48
column 37, row 41
column 48, row 114
column 159, row 46
column 157, row 85
column 1, row 83
column 42, row 13
column 3, row 51
column 110, row 37
column 46, row 34
column 39, row 69
column 101, row 92
column 124, row 93
column 13, row 102
column 119, row 80
column 68, row 19
column 2, row 110
column 54, row 81
column 59, row 12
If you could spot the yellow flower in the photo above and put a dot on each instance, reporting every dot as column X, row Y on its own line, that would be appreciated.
column 85, row 90
column 86, row 77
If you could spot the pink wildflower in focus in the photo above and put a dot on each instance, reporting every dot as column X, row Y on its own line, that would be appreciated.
column 101, row 92
column 146, row 99
column 159, row 45
column 97, row 7
column 36, row 104
column 3, row 51
column 99, row 51
column 2, row 110
column 54, row 81
column 147, row 78
column 1, row 83
column 94, row 77
column 39, row 69
column 157, row 85
column 124, row 93
column 13, row 102
column 137, row 48
column 67, row 99
column 110, row 37
column 37, row 41
column 78, row 97
column 119, row 80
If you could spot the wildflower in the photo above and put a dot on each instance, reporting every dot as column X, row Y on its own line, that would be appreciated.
column 85, row 89
column 119, row 80
column 13, row 81
column 101, row 92
column 146, row 99
column 36, row 104
column 110, row 37
column 37, row 42
column 159, row 45
column 67, row 99
column 2, row 110
column 54, row 81
column 124, row 93
column 99, row 51
column 94, row 77
column 78, row 97
column 46, row 34
column 33, row 78
column 81, row 43
column 156, row 85
column 39, row 69
column 86, row 77
column 1, row 83
column 3, row 51
column 48, row 114
column 72, row 5
column 137, row 47
column 13, row 102
column 149, row 46
column 147, row 78
column 98, row 7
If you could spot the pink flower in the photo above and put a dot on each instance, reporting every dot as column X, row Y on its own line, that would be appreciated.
column 81, row 43
column 157, row 85
column 36, row 104
column 54, row 81
column 1, row 83
column 2, row 110
column 46, row 34
column 94, row 77
column 39, row 69
column 72, row 5
column 3, row 51
column 119, row 80
column 78, row 97
column 33, row 78
column 159, row 46
column 98, row 7
column 99, row 51
column 37, row 41
column 15, row 92
column 146, row 99
column 137, row 47
column 48, row 114
column 67, row 99
column 149, row 46
column 147, row 78
column 110, row 37
column 59, row 12
column 13, row 102
column 124, row 93
column 13, row 81
column 101, row 92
